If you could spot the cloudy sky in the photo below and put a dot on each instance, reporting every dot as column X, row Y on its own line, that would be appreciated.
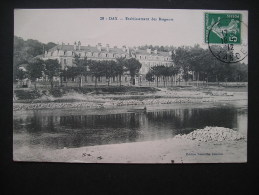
column 70, row 25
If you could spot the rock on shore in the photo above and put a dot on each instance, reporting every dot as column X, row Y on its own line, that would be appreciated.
column 213, row 134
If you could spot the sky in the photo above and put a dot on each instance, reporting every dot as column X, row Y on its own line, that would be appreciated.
column 185, row 27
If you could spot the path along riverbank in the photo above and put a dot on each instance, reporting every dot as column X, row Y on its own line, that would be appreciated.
column 164, row 96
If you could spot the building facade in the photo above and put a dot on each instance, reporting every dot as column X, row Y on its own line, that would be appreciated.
column 65, row 54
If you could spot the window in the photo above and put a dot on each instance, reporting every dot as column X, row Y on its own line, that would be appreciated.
column 106, row 55
column 65, row 61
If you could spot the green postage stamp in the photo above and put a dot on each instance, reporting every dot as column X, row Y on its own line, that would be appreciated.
column 223, row 28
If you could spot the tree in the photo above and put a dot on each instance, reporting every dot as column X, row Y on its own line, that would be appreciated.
column 35, row 70
column 181, row 57
column 34, row 47
column 109, row 68
column 133, row 66
column 71, row 72
column 150, row 77
column 162, row 71
column 21, row 74
column 20, row 55
column 196, row 60
column 97, row 69
column 120, row 64
column 156, row 71
column 49, row 46
column 52, row 69
column 173, row 71
column 24, row 51
column 81, row 68
column 242, row 71
column 63, row 74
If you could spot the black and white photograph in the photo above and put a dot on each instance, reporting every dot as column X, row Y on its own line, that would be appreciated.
column 159, row 86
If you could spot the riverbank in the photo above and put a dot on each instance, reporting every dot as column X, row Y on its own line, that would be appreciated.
column 158, row 96
column 179, row 149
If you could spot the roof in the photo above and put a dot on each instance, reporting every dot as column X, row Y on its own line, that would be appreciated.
column 87, row 49
column 111, row 50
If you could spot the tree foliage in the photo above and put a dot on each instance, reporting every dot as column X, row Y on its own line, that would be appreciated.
column 25, row 51
column 150, row 77
column 35, row 70
column 21, row 74
column 133, row 66
column 52, row 69
column 206, row 66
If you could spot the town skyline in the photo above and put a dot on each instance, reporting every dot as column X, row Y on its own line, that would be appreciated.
column 93, row 45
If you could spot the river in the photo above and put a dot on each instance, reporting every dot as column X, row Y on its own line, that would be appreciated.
column 72, row 128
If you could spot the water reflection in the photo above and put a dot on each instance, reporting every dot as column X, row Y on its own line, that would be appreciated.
column 58, row 131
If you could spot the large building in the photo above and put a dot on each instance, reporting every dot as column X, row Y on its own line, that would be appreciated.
column 65, row 54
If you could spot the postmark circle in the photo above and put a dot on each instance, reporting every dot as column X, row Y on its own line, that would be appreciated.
column 231, row 48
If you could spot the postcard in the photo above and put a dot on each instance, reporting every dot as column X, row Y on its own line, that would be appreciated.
column 130, row 86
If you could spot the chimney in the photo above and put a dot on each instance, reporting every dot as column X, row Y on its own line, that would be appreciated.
column 99, row 46
column 79, row 45
column 149, row 51
column 74, row 45
column 155, row 51
column 107, row 47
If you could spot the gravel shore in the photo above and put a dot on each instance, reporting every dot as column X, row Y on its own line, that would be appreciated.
column 213, row 134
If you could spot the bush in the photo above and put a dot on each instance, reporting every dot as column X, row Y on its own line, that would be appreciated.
column 56, row 92
column 25, row 95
